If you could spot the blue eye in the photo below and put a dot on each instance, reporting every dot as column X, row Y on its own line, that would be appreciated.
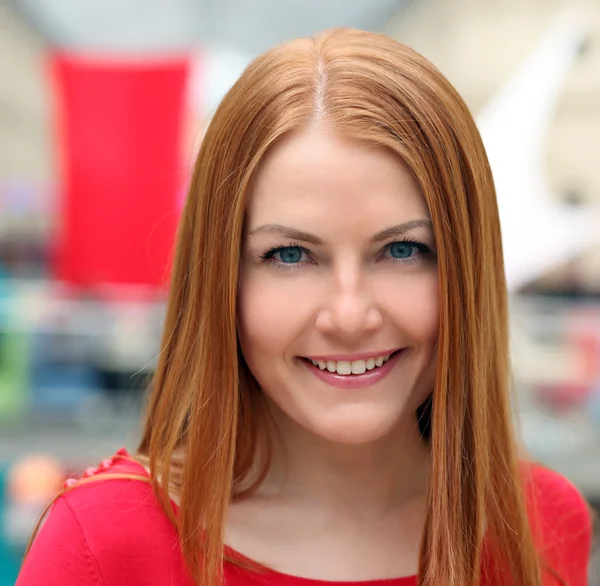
column 286, row 256
column 407, row 251
column 289, row 254
column 402, row 249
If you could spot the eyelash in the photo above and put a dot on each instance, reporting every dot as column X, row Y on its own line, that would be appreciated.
column 424, row 250
column 267, row 256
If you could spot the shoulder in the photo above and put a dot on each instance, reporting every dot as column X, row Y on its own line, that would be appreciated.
column 116, row 502
column 557, row 505
column 561, row 521
column 111, row 526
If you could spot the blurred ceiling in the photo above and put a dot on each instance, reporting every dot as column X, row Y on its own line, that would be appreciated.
column 250, row 26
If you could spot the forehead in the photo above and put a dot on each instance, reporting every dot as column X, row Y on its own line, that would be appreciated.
column 319, row 176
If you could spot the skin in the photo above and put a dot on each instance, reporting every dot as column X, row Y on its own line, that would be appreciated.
column 345, row 495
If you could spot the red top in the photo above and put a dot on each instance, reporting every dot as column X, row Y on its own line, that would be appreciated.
column 113, row 533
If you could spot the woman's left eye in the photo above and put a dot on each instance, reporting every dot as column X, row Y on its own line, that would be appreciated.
column 406, row 250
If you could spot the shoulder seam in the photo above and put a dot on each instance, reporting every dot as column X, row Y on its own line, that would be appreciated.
column 91, row 557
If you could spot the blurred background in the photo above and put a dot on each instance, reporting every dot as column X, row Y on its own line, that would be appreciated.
column 102, row 105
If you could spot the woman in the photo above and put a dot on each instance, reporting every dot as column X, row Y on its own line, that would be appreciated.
column 331, row 402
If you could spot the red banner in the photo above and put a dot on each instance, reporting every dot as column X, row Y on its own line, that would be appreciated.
column 119, row 130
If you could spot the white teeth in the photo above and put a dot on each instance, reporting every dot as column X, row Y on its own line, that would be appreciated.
column 359, row 367
column 346, row 367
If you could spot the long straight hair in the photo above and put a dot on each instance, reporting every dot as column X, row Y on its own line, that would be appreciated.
column 205, row 423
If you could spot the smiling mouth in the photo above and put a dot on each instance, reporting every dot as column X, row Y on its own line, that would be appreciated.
column 354, row 367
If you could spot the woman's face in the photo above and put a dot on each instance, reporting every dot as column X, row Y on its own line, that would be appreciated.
column 338, row 305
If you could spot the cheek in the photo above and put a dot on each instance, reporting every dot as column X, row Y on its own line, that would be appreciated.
column 414, row 306
column 272, row 314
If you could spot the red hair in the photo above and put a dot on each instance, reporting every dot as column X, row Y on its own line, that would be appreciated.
column 205, row 427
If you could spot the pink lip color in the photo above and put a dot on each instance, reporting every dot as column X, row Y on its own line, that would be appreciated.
column 352, row 357
column 354, row 381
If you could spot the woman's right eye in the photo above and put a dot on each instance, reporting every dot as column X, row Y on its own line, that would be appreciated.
column 286, row 255
column 289, row 254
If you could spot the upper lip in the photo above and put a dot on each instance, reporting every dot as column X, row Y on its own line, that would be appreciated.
column 352, row 357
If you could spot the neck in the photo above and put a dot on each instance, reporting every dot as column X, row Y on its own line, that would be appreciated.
column 369, row 479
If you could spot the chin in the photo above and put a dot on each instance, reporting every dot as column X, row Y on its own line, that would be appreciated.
column 360, row 429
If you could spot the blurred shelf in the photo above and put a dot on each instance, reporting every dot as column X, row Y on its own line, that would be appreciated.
column 70, row 443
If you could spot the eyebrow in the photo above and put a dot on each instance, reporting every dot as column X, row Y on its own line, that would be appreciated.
column 294, row 234
column 401, row 229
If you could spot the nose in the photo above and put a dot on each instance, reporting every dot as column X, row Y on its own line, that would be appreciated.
column 350, row 310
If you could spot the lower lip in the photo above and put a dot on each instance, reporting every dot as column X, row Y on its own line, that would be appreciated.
column 354, row 381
